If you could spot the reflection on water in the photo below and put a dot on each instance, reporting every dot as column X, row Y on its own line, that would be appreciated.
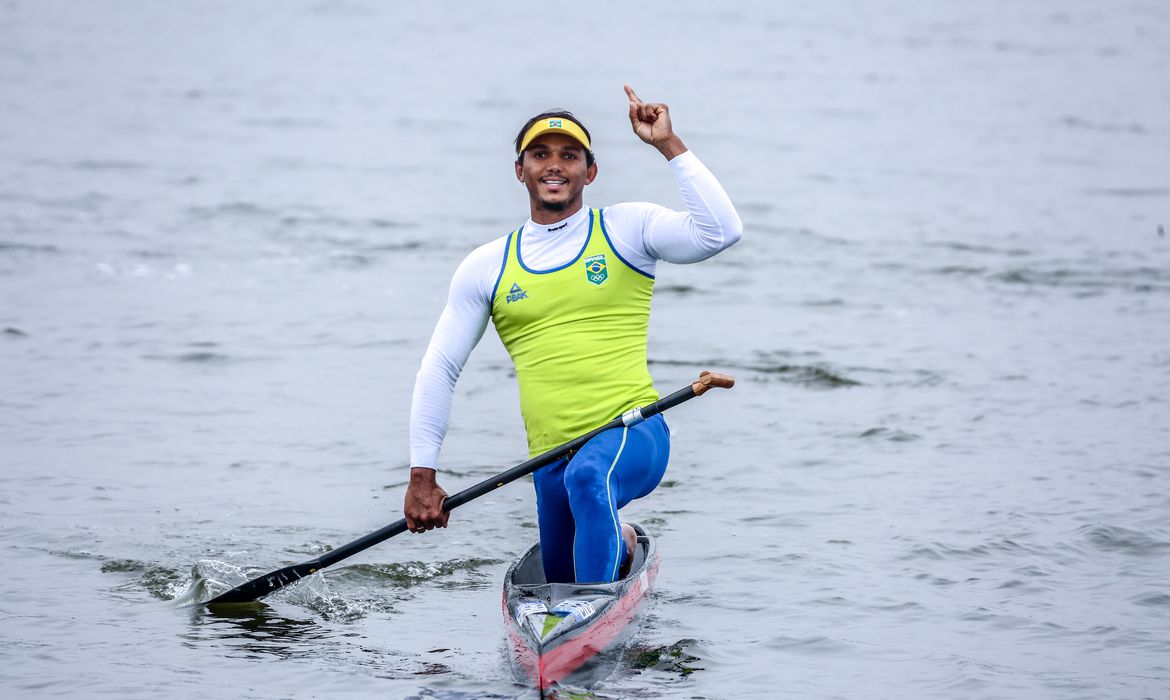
column 943, row 471
column 680, row 657
column 254, row 631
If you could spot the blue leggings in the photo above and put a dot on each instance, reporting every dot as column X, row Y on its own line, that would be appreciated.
column 577, row 500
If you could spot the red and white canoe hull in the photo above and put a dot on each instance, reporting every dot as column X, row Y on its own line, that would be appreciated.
column 580, row 646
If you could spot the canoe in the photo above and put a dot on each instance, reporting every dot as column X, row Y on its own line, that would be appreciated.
column 573, row 633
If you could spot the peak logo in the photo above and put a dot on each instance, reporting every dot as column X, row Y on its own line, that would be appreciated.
column 515, row 294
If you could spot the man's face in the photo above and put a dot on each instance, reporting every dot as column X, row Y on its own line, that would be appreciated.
column 554, row 170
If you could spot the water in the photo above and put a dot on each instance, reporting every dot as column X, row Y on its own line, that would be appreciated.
column 226, row 230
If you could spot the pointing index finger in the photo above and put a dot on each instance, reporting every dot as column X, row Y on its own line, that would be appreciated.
column 630, row 94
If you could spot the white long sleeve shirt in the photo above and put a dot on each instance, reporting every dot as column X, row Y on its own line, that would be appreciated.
column 641, row 233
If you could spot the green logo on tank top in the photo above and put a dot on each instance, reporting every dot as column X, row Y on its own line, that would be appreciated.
column 595, row 270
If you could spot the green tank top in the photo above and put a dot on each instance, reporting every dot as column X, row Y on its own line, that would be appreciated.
column 577, row 336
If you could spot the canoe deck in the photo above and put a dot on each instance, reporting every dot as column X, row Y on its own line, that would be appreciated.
column 573, row 632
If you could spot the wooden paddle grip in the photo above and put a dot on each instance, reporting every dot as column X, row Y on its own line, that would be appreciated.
column 708, row 380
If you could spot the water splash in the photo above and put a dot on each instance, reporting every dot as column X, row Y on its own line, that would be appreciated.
column 209, row 578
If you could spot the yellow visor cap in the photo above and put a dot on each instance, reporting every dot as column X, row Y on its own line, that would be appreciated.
column 556, row 125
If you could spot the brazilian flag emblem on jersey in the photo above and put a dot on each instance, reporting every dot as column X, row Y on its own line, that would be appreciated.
column 595, row 270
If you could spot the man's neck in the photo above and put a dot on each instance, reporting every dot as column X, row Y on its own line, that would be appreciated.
column 563, row 224
column 543, row 216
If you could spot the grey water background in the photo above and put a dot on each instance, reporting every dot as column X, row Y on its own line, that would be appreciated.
column 226, row 230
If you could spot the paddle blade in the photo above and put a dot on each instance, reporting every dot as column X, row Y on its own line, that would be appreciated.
column 257, row 588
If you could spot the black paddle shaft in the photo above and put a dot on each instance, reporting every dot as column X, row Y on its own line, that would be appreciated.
column 259, row 587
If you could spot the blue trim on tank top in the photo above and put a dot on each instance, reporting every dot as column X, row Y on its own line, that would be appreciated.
column 588, row 235
column 503, row 264
column 601, row 219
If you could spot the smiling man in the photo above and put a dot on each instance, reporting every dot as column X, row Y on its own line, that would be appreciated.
column 569, row 294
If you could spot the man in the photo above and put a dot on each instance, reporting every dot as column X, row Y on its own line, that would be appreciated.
column 569, row 294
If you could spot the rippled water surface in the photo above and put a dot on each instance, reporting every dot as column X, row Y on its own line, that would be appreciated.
column 226, row 230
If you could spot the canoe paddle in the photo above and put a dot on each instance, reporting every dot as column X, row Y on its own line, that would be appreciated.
column 259, row 587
